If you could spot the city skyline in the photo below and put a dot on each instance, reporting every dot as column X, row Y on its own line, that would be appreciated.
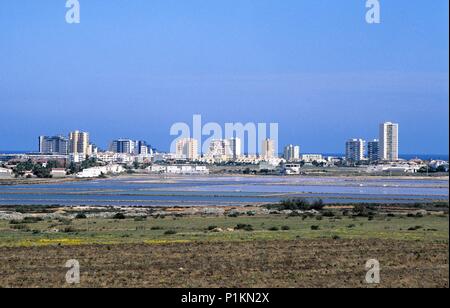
column 366, row 153
column 385, row 146
column 321, row 78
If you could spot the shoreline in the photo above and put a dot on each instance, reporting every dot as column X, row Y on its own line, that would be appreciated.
column 37, row 181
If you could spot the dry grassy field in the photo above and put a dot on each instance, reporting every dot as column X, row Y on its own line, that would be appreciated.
column 287, row 263
column 221, row 251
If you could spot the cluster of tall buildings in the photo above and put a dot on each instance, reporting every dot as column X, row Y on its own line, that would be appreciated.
column 218, row 149
column 383, row 149
column 292, row 153
column 187, row 148
column 225, row 149
column 221, row 149
column 128, row 146
column 77, row 145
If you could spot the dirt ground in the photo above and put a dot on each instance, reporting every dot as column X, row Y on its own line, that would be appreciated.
column 291, row 263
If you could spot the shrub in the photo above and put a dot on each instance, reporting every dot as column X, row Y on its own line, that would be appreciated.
column 328, row 214
column 69, row 230
column 360, row 210
column 315, row 228
column 119, row 216
column 300, row 204
column 244, row 227
column 248, row 228
column 317, row 205
column 351, row 226
column 31, row 220
column 20, row 227
column 415, row 228
column 80, row 216
column 285, row 228
column 64, row 221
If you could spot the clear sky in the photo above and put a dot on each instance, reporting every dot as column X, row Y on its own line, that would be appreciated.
column 133, row 68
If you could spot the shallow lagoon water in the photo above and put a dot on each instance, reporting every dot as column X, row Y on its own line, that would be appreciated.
column 225, row 190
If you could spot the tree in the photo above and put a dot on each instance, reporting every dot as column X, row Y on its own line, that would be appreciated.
column 74, row 168
column 442, row 168
column 22, row 167
column 136, row 165
column 42, row 172
column 360, row 210
column 52, row 164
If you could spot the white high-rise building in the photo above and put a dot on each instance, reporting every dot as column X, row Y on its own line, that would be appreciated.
column 268, row 149
column 292, row 153
column 388, row 146
column 224, row 149
column 79, row 143
column 355, row 149
column 187, row 148
column 217, row 149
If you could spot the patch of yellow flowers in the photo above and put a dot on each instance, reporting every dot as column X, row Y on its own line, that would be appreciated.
column 165, row 242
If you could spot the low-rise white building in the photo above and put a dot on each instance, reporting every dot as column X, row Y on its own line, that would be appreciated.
column 309, row 158
column 77, row 157
column 4, row 172
column 270, row 164
column 291, row 169
column 395, row 168
column 115, row 158
column 435, row 164
column 58, row 172
column 179, row 169
column 164, row 157
column 98, row 171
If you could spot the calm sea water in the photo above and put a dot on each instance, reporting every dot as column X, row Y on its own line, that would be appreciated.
column 219, row 190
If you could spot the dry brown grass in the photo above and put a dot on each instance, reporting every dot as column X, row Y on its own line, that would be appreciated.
column 293, row 263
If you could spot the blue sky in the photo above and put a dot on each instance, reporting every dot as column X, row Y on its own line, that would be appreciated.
column 133, row 68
